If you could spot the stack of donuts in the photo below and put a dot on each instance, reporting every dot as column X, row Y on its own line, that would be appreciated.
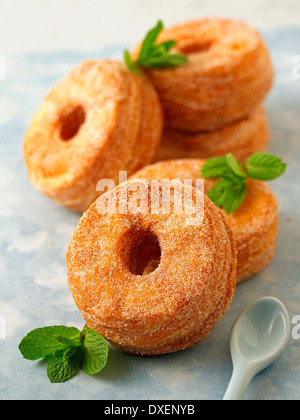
column 152, row 282
column 102, row 118
column 214, row 104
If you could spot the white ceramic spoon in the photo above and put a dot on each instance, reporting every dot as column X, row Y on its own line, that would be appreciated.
column 259, row 335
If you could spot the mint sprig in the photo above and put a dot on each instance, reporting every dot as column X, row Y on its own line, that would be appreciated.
column 66, row 349
column 228, row 194
column 154, row 56
column 230, row 190
column 265, row 167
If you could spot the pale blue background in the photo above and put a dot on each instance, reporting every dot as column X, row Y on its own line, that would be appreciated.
column 35, row 233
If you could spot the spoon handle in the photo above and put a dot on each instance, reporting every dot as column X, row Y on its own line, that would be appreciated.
column 238, row 384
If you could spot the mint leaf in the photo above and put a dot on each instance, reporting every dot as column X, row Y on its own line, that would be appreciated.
column 95, row 352
column 214, row 167
column 62, row 366
column 217, row 192
column 162, row 48
column 164, row 60
column 225, row 167
column 264, row 167
column 235, row 166
column 69, row 342
column 149, row 40
column 228, row 194
column 130, row 64
column 64, row 353
column 234, row 196
column 41, row 342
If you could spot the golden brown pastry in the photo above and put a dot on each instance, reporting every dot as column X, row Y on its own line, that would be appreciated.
column 242, row 139
column 99, row 119
column 182, row 296
column 254, row 224
column 229, row 73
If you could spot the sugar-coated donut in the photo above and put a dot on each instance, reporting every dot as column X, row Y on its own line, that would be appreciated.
column 229, row 73
column 254, row 224
column 180, row 299
column 242, row 138
column 99, row 119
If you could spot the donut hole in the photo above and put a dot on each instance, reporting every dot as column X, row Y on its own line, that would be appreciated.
column 70, row 121
column 193, row 47
column 142, row 255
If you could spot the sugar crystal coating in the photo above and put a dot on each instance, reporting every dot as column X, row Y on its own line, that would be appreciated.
column 177, row 303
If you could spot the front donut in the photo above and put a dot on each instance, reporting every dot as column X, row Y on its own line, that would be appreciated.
column 184, row 293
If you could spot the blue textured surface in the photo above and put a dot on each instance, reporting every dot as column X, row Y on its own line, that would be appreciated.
column 35, row 233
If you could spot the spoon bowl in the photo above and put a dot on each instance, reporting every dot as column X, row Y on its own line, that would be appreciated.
column 259, row 335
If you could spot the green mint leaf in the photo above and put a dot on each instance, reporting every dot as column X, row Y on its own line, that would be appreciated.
column 264, row 167
column 173, row 60
column 235, row 166
column 150, row 39
column 63, row 365
column 217, row 192
column 41, row 342
column 228, row 194
column 223, row 167
column 214, row 167
column 130, row 64
column 234, row 197
column 95, row 352
column 64, row 353
column 162, row 48
column 166, row 60
column 69, row 342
